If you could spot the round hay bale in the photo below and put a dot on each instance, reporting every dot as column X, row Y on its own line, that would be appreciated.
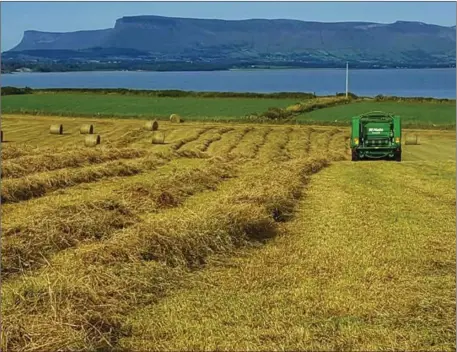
column 56, row 129
column 412, row 139
column 92, row 140
column 175, row 118
column 158, row 137
column 87, row 129
column 151, row 125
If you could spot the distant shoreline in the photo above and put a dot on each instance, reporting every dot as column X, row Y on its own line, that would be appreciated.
column 438, row 83
column 241, row 69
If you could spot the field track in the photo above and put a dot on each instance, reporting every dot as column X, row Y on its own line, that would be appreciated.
column 228, row 236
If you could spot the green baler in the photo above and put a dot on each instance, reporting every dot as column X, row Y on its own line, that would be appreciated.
column 376, row 135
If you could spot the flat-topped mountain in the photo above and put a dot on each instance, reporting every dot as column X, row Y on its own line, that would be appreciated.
column 255, row 39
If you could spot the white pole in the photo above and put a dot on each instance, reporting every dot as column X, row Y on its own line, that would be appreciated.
column 347, row 79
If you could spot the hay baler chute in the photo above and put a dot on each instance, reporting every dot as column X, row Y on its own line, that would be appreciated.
column 376, row 135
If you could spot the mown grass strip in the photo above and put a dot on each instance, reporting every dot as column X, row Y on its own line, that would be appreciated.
column 37, row 185
column 26, row 165
column 47, row 229
column 137, row 266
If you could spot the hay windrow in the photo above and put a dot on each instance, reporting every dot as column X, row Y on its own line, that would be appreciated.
column 198, row 147
column 12, row 151
column 129, row 137
column 251, row 144
column 195, row 136
column 298, row 144
column 184, row 238
column 274, row 148
column 95, row 284
column 203, row 147
column 228, row 142
column 26, row 165
column 27, row 242
column 37, row 185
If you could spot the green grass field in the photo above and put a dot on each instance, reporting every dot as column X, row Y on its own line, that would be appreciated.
column 411, row 113
column 136, row 106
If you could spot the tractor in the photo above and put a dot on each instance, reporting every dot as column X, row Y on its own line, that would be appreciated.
column 376, row 135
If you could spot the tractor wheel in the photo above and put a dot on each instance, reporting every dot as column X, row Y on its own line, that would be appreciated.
column 355, row 157
column 398, row 156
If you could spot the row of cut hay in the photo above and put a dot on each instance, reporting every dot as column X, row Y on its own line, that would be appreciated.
column 275, row 144
column 205, row 144
column 29, row 241
column 193, row 137
column 339, row 143
column 93, row 287
column 129, row 137
column 331, row 135
column 192, row 154
column 299, row 143
column 319, row 141
column 13, row 151
column 262, row 142
column 250, row 144
column 197, row 148
column 224, row 146
column 27, row 165
column 37, row 185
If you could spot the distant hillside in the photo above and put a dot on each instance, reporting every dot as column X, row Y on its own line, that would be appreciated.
column 164, row 38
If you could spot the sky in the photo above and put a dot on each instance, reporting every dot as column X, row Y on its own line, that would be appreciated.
column 16, row 17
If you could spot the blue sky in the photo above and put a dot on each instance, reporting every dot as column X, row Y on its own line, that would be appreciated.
column 16, row 17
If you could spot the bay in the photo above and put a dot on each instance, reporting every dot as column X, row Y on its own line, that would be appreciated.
column 436, row 83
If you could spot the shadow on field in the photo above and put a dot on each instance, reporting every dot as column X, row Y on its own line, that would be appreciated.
column 374, row 160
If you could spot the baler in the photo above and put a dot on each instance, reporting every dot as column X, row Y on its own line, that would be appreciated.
column 376, row 135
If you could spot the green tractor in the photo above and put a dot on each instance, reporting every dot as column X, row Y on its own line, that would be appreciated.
column 376, row 135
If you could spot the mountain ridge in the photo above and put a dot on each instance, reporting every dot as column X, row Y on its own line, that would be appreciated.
column 267, row 40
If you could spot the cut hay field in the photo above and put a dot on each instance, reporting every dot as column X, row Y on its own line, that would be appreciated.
column 115, row 105
column 226, row 237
